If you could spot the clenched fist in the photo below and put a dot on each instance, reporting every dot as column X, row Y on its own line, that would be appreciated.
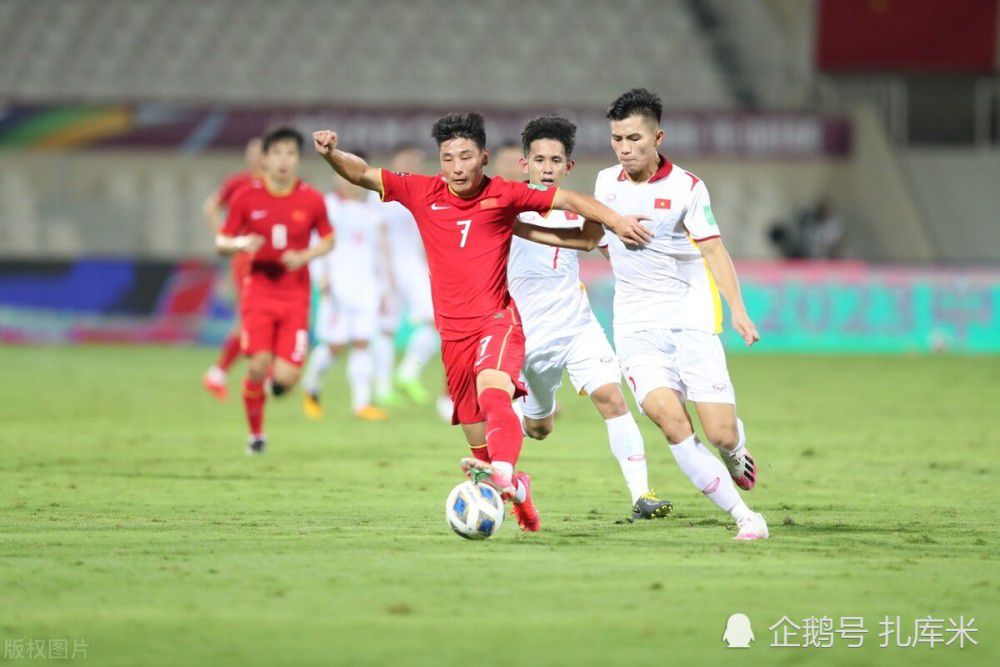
column 325, row 142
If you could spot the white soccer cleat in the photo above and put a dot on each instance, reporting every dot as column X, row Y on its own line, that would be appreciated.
column 752, row 527
column 742, row 468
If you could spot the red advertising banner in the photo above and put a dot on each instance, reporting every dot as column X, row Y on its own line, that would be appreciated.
column 907, row 35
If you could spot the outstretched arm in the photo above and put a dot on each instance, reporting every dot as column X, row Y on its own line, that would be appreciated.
column 573, row 238
column 627, row 227
column 350, row 167
column 721, row 265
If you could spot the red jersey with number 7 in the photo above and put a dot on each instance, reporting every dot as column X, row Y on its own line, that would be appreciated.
column 467, row 241
column 286, row 221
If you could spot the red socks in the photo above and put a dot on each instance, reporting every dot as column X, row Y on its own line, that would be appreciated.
column 503, row 430
column 481, row 452
column 253, row 402
column 230, row 350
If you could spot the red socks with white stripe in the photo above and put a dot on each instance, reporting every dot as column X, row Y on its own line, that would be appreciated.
column 503, row 430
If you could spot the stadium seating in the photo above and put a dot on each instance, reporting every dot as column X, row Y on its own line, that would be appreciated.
column 353, row 52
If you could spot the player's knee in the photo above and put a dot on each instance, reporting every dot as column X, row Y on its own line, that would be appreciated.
column 257, row 369
column 609, row 401
column 723, row 437
column 538, row 429
column 675, row 427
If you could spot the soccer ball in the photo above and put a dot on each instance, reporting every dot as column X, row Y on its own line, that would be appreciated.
column 474, row 511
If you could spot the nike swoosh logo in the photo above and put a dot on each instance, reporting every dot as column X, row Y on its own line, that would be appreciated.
column 435, row 207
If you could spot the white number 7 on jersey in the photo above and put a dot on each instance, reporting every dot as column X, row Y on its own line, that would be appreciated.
column 464, row 224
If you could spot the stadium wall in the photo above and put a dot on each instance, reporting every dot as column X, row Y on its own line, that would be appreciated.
column 799, row 307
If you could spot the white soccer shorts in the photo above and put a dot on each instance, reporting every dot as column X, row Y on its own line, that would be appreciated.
column 588, row 358
column 686, row 360
column 339, row 323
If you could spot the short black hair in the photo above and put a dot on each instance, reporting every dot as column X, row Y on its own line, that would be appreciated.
column 636, row 102
column 461, row 126
column 549, row 127
column 282, row 133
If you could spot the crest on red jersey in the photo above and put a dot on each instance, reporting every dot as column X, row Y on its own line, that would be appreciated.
column 492, row 202
column 298, row 215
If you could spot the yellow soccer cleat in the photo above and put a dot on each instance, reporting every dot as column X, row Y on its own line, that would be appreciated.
column 370, row 413
column 311, row 407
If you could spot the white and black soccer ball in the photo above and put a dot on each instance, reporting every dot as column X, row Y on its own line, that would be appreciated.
column 474, row 511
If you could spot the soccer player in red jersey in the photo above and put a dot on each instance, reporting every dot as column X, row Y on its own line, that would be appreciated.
column 272, row 220
column 466, row 221
column 215, row 378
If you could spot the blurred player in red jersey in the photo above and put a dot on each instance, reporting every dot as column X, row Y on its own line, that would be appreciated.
column 466, row 221
column 216, row 377
column 272, row 219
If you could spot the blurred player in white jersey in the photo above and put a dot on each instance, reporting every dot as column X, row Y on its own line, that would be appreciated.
column 407, row 287
column 667, row 312
column 348, row 310
column 560, row 329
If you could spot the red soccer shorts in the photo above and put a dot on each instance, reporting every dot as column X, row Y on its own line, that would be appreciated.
column 498, row 345
column 273, row 325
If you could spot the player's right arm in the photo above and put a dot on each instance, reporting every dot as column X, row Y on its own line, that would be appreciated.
column 350, row 167
column 628, row 228
column 231, row 239
column 574, row 238
column 212, row 210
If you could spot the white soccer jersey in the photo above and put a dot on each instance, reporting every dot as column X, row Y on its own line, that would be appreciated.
column 406, row 249
column 666, row 284
column 545, row 283
column 351, row 267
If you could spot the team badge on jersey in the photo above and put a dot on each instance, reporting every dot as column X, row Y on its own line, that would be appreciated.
column 710, row 216
column 489, row 203
column 661, row 203
column 298, row 215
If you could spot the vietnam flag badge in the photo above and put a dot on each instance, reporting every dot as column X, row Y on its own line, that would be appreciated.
column 661, row 203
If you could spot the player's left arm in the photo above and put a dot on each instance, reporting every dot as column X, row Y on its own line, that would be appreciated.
column 575, row 238
column 628, row 228
column 721, row 265
column 230, row 240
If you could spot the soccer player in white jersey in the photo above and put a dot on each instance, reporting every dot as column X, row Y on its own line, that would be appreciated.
column 408, row 290
column 348, row 310
column 560, row 329
column 667, row 312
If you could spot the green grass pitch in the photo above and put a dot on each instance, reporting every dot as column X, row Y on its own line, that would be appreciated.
column 132, row 521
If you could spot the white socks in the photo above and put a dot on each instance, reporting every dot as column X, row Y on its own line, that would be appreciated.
column 741, row 444
column 384, row 354
column 423, row 344
column 518, row 405
column 319, row 363
column 710, row 476
column 627, row 447
column 360, row 369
